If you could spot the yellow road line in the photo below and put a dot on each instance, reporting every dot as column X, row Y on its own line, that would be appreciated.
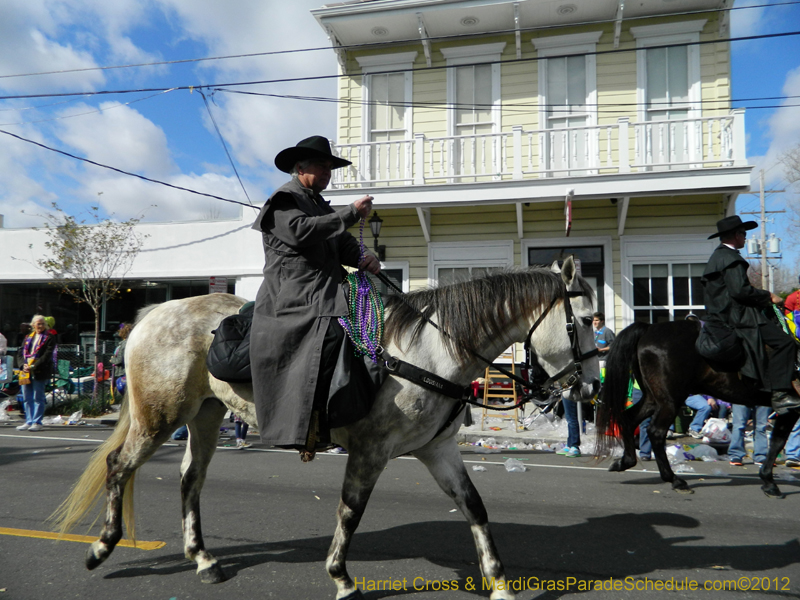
column 52, row 535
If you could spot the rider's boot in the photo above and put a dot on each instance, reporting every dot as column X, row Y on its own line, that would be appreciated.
column 783, row 402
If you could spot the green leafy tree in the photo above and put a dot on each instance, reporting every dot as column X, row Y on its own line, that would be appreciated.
column 88, row 259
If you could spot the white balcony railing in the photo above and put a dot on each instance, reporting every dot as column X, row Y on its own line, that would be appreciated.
column 622, row 147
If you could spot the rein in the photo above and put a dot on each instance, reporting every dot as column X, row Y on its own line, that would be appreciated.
column 464, row 394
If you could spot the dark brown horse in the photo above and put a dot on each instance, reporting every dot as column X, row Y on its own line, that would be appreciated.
column 664, row 361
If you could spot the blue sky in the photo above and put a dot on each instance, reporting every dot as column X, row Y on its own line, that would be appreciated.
column 770, row 68
column 170, row 136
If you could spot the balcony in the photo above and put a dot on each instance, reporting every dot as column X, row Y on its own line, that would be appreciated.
column 626, row 151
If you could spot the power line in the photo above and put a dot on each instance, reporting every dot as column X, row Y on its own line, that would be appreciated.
column 507, row 107
column 225, row 147
column 412, row 70
column 97, row 164
column 523, row 106
column 367, row 45
column 89, row 112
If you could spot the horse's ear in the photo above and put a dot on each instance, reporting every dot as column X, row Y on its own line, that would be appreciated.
column 555, row 268
column 568, row 271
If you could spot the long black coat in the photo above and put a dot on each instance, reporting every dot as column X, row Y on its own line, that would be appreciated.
column 731, row 298
column 305, row 245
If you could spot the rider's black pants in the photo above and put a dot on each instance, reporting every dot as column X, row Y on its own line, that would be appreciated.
column 782, row 358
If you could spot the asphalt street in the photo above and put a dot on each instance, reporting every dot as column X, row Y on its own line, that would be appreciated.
column 564, row 523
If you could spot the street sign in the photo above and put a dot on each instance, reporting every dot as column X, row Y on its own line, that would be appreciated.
column 217, row 285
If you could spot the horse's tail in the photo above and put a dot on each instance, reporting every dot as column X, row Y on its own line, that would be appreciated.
column 622, row 360
column 90, row 487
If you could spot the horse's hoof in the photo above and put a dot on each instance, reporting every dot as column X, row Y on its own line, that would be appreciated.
column 616, row 466
column 92, row 560
column 773, row 491
column 680, row 486
column 213, row 574
column 354, row 595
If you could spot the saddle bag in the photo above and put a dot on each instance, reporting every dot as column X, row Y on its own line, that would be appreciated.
column 719, row 343
column 229, row 355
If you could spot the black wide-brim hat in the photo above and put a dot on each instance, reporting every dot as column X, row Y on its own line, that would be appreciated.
column 314, row 147
column 731, row 224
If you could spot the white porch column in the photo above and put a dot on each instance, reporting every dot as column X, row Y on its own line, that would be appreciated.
column 516, row 132
column 419, row 159
column 623, row 143
column 739, row 146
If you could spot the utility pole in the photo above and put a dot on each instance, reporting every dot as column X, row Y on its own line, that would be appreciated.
column 763, row 242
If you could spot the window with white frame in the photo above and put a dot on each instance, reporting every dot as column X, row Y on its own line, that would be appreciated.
column 668, row 89
column 473, row 95
column 397, row 273
column 386, row 152
column 667, row 291
column 568, row 102
column 450, row 262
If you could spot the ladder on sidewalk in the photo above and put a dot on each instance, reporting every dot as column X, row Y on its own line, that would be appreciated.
column 496, row 385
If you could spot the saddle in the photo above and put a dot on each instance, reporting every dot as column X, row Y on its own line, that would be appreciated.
column 229, row 355
column 719, row 344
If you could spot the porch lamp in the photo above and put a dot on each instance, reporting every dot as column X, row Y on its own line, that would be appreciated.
column 375, row 224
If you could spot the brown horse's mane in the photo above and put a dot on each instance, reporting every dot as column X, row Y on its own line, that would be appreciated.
column 474, row 310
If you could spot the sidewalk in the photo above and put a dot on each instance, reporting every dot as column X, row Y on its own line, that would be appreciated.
column 110, row 420
column 499, row 430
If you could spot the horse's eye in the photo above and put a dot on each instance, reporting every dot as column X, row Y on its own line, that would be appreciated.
column 587, row 321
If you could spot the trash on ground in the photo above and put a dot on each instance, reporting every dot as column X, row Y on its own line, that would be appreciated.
column 716, row 430
column 514, row 466
column 478, row 468
column 75, row 418
column 704, row 452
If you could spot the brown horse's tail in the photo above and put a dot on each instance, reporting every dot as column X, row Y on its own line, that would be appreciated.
column 622, row 361
column 90, row 488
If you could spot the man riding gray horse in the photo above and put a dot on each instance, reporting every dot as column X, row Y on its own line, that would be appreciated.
column 296, row 338
column 732, row 300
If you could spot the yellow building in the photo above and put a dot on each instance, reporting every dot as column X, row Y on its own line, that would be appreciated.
column 479, row 126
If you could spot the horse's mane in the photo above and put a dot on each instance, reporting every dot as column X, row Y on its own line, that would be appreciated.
column 474, row 310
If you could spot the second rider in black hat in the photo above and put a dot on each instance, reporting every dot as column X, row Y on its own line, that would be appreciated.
column 731, row 299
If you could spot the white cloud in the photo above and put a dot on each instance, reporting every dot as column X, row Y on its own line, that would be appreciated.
column 25, row 47
column 749, row 21
column 125, row 197
column 120, row 136
column 259, row 127
column 41, row 35
column 784, row 132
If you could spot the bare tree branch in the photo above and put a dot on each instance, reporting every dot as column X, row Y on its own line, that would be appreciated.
column 88, row 261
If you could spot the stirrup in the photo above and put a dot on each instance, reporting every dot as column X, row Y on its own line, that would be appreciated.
column 308, row 453
column 783, row 402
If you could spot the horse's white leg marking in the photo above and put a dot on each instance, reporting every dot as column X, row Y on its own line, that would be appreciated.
column 203, row 434
column 122, row 463
column 361, row 474
column 444, row 462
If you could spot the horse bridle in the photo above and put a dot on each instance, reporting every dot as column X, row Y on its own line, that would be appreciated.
column 540, row 390
column 531, row 362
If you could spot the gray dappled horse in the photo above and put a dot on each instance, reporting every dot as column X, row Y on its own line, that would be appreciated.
column 169, row 386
